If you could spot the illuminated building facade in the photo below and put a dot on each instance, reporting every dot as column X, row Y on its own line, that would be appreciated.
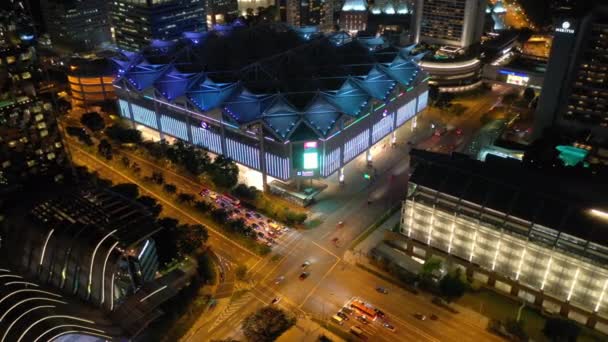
column 512, row 229
column 353, row 17
column 261, row 116
column 91, row 80
column 449, row 22
column 77, row 25
column 308, row 13
column 574, row 95
column 137, row 22
column 92, row 244
column 221, row 11
column 30, row 144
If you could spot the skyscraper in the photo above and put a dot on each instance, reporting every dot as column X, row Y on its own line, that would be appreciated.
column 449, row 22
column 307, row 12
column 76, row 25
column 137, row 22
column 221, row 11
column 574, row 92
column 353, row 16
column 30, row 144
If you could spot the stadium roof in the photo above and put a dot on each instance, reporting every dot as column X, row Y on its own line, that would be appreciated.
column 560, row 201
column 274, row 74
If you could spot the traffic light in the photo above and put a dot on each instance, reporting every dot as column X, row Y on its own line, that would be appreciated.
column 367, row 176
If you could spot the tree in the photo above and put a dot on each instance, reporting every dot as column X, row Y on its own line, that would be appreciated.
column 224, row 172
column 267, row 324
column 128, row 190
column 241, row 272
column 219, row 215
column 516, row 329
column 126, row 162
column 202, row 206
column 430, row 268
column 185, row 198
column 92, row 121
column 451, row 286
column 105, row 149
column 237, row 225
column 152, row 204
column 246, row 192
column 529, row 94
column 167, row 240
column 205, row 267
column 433, row 92
column 170, row 188
column 124, row 135
column 190, row 238
column 158, row 177
column 561, row 330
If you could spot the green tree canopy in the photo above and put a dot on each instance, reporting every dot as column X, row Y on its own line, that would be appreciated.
column 561, row 330
column 451, row 286
column 92, row 121
column 266, row 324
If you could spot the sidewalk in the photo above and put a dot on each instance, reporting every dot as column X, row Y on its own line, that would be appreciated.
column 306, row 330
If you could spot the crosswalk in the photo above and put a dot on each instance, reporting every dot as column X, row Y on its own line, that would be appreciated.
column 232, row 308
column 285, row 243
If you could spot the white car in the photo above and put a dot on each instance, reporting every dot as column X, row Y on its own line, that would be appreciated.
column 276, row 300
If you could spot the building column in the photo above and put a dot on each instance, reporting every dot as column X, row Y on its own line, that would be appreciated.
column 157, row 115
column 491, row 279
column 592, row 320
column 564, row 309
column 341, row 175
column 189, row 128
column 514, row 290
column 539, row 298
column 263, row 158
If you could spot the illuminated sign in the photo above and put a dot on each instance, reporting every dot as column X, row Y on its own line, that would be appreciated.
column 565, row 28
column 518, row 80
column 310, row 157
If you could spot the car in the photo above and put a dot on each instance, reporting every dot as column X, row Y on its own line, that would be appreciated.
column 304, row 275
column 440, row 131
column 382, row 290
column 380, row 313
column 260, row 235
column 258, row 216
column 420, row 316
column 279, row 280
column 275, row 300
column 389, row 326
column 305, row 264
column 362, row 319
column 434, row 317
column 255, row 226
column 342, row 315
column 458, row 131
column 347, row 311
column 248, row 215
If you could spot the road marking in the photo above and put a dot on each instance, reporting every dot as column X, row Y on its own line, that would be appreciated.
column 297, row 238
column 319, row 283
column 165, row 201
column 327, row 250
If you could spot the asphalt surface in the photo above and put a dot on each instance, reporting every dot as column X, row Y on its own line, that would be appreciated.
column 332, row 281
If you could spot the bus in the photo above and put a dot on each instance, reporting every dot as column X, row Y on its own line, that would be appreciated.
column 364, row 309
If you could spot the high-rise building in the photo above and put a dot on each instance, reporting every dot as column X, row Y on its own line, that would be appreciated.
column 221, row 11
column 136, row 23
column 353, row 17
column 449, row 22
column 308, row 13
column 30, row 144
column 574, row 93
column 76, row 25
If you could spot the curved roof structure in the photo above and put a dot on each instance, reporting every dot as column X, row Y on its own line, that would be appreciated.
column 29, row 312
column 278, row 76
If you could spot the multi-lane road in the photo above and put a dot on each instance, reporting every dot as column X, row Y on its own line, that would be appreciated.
column 331, row 281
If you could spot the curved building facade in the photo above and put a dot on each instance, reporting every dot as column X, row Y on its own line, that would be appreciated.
column 454, row 77
column 91, row 80
column 305, row 110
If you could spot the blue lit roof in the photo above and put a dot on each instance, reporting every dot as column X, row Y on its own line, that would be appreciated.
column 312, row 83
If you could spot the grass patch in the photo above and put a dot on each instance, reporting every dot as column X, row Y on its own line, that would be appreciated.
column 314, row 223
column 375, row 225
column 346, row 336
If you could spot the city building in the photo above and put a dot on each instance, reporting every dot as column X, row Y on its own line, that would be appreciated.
column 457, row 23
column 221, row 11
column 452, row 69
column 574, row 95
column 82, row 266
column 353, row 17
column 307, row 13
column 30, row 143
column 135, row 23
column 514, row 229
column 91, row 80
column 299, row 108
column 76, row 26
column 91, row 244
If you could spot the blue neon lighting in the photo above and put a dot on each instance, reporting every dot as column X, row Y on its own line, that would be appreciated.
column 406, row 112
column 356, row 145
column 174, row 127
column 423, row 100
column 144, row 116
column 382, row 127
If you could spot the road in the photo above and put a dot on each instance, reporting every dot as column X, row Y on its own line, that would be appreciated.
column 332, row 281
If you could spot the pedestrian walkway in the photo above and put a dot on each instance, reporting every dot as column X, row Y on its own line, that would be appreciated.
column 234, row 306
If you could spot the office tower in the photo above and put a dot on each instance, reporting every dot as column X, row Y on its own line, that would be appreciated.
column 308, row 12
column 353, row 17
column 449, row 22
column 75, row 25
column 30, row 144
column 137, row 22
column 221, row 11
column 574, row 95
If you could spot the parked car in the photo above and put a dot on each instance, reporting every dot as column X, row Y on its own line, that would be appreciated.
column 382, row 290
column 420, row 316
column 304, row 275
column 362, row 319
column 389, row 326
column 305, row 264
column 342, row 315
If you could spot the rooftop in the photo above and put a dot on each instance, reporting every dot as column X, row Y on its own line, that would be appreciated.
column 560, row 199
column 273, row 73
